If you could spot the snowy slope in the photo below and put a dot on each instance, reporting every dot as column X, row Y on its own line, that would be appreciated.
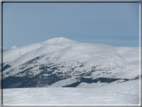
column 116, row 94
column 63, row 62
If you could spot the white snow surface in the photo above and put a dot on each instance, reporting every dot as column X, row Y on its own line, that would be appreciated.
column 72, row 49
column 118, row 94
column 110, row 61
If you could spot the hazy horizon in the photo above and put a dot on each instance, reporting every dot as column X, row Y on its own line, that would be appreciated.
column 115, row 24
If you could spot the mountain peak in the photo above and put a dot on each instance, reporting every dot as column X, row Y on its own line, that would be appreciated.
column 58, row 40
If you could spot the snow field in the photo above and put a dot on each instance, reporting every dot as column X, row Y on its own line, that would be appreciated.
column 120, row 93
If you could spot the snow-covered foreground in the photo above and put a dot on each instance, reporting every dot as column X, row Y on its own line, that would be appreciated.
column 114, row 93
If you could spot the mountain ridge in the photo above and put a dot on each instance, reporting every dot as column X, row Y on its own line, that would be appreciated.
column 58, row 40
column 59, row 59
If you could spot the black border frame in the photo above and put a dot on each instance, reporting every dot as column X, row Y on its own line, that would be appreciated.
column 70, row 1
column 74, row 1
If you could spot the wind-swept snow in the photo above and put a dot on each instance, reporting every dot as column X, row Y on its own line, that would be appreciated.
column 102, row 74
column 120, row 93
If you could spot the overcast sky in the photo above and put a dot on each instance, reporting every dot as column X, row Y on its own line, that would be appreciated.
column 115, row 24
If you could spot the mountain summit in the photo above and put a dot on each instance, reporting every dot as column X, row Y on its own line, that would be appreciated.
column 60, row 62
column 58, row 40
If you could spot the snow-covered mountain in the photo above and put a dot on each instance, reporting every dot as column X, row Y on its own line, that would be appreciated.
column 60, row 62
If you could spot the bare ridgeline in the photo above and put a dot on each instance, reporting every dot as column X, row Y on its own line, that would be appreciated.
column 60, row 62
